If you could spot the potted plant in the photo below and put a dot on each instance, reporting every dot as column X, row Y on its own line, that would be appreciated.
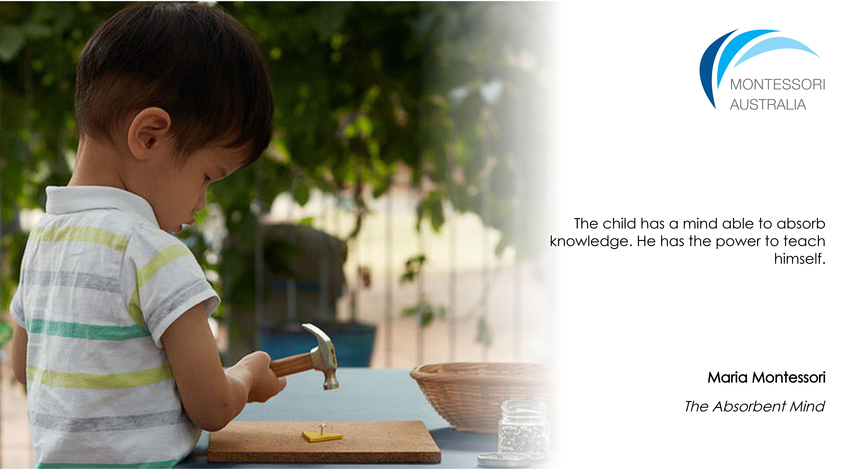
column 304, row 278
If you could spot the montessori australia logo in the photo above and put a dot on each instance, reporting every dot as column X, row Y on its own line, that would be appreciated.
column 755, row 44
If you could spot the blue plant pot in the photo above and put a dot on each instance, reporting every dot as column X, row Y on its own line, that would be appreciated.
column 353, row 342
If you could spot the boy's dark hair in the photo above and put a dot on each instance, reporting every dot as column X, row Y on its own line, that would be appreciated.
column 192, row 60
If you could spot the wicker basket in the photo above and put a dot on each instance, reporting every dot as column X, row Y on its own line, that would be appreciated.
column 469, row 395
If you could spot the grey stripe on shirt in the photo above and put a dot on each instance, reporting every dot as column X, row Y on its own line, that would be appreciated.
column 108, row 423
column 168, row 305
column 69, row 278
column 16, row 307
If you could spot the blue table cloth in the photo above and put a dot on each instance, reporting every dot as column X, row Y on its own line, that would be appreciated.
column 363, row 395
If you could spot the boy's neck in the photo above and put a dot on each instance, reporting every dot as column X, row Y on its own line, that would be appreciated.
column 97, row 164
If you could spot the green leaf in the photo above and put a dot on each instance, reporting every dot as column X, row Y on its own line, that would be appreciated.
column 337, row 40
column 12, row 40
column 5, row 333
column 485, row 334
column 364, row 125
column 329, row 19
column 437, row 216
column 429, row 312
column 301, row 193
column 412, row 268
column 350, row 131
column 34, row 30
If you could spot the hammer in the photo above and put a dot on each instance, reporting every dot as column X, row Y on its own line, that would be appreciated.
column 321, row 358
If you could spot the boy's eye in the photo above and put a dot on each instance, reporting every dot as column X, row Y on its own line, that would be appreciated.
column 206, row 179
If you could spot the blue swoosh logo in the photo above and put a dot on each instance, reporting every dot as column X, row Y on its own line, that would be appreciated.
column 706, row 64
column 735, row 45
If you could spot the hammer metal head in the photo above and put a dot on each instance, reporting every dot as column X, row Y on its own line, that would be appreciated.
column 323, row 356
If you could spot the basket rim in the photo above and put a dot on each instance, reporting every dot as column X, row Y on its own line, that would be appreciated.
column 420, row 375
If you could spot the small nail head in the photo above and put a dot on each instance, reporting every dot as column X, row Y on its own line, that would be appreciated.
column 322, row 427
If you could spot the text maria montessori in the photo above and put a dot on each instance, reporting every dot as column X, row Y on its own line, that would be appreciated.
column 766, row 378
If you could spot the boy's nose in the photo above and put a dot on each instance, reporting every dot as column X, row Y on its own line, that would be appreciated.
column 202, row 202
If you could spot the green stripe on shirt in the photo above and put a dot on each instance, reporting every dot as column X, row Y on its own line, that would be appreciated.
column 85, row 331
column 148, row 271
column 160, row 464
column 75, row 380
column 80, row 234
column 163, row 258
column 135, row 309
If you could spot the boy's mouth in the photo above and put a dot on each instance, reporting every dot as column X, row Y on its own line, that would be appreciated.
column 185, row 225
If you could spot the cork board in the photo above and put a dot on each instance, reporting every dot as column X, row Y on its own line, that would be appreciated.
column 363, row 442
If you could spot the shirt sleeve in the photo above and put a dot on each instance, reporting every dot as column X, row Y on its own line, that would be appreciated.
column 165, row 281
column 16, row 308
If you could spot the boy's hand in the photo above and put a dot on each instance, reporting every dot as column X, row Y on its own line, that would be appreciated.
column 264, row 383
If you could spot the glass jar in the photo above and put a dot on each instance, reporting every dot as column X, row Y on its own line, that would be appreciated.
column 524, row 428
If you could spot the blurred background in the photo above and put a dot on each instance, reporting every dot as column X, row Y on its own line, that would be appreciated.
column 398, row 207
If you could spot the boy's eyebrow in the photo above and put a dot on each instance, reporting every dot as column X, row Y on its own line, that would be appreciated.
column 222, row 172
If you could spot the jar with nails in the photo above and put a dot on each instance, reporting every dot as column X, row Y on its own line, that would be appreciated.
column 524, row 428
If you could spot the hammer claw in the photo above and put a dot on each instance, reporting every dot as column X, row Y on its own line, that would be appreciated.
column 321, row 358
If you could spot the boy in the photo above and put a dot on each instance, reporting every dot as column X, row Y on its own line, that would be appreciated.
column 112, row 337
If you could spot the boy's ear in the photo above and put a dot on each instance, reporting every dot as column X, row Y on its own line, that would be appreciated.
column 147, row 132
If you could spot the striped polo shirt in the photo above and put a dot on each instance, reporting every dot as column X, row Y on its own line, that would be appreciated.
column 100, row 283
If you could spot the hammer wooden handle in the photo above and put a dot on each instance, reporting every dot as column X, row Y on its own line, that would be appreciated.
column 292, row 364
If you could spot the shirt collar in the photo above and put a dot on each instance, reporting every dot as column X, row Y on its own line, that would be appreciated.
column 67, row 199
